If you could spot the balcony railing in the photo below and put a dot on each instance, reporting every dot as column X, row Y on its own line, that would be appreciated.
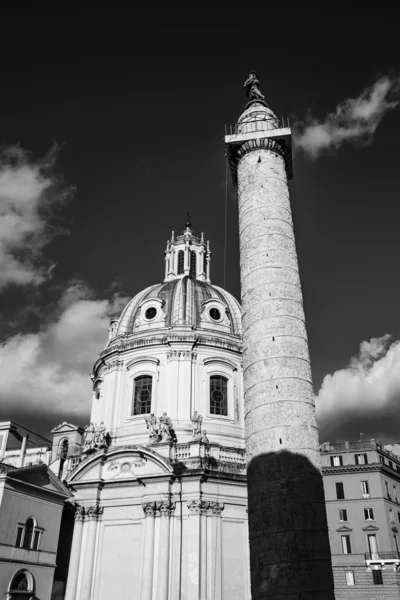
column 386, row 555
column 256, row 123
column 346, row 446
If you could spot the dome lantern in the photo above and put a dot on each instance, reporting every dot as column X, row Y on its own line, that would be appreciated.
column 187, row 255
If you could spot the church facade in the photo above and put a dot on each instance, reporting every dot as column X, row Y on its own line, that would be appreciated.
column 160, row 494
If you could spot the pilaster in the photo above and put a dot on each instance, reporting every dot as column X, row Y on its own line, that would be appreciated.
column 166, row 510
column 75, row 555
column 148, row 551
column 92, row 514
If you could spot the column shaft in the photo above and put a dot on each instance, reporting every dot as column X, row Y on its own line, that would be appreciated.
column 289, row 543
column 148, row 552
column 76, row 548
column 87, row 568
column 166, row 508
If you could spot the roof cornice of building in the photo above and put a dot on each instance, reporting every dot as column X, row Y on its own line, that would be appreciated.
column 346, row 469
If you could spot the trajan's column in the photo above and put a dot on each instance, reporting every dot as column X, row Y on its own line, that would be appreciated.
column 289, row 546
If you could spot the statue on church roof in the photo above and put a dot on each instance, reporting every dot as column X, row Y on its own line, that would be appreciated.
column 252, row 87
column 196, row 424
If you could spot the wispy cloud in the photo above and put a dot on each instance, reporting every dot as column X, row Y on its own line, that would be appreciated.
column 355, row 120
column 365, row 396
column 30, row 190
column 48, row 372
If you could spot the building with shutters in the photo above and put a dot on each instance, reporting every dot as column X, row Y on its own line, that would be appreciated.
column 362, row 493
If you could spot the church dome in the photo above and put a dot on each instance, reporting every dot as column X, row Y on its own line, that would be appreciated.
column 183, row 301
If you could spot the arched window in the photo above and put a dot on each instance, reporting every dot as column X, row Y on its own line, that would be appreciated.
column 142, row 395
column 28, row 535
column 193, row 264
column 219, row 395
column 21, row 583
column 181, row 262
column 204, row 262
column 29, row 525
column 97, row 391
column 63, row 449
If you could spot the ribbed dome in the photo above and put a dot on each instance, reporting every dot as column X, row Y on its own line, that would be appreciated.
column 183, row 304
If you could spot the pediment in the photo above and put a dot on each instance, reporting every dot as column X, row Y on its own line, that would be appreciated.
column 142, row 359
column 40, row 476
column 344, row 529
column 221, row 360
column 370, row 528
column 65, row 427
column 120, row 464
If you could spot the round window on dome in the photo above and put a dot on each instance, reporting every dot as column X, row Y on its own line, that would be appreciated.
column 215, row 314
column 150, row 313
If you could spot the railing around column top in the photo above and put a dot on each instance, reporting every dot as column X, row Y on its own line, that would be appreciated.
column 257, row 123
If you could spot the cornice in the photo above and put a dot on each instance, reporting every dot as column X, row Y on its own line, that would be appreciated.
column 206, row 338
column 346, row 469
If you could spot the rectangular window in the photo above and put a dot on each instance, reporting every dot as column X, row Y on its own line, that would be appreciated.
column 381, row 460
column 361, row 459
column 339, row 490
column 346, row 547
column 219, row 395
column 365, row 489
column 387, row 490
column 350, row 578
column 142, row 395
column 391, row 515
column 336, row 461
column 18, row 540
column 36, row 537
column 395, row 493
column 398, row 517
column 373, row 546
column 342, row 514
column 390, row 464
column 377, row 577
column 368, row 514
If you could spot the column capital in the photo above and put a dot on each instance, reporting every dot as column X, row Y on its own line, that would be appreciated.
column 266, row 144
column 166, row 508
column 198, row 507
column 93, row 512
column 216, row 508
column 149, row 508
column 80, row 513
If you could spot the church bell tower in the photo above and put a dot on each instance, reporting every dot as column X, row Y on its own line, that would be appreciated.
column 289, row 545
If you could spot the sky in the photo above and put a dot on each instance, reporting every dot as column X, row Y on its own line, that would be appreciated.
column 108, row 139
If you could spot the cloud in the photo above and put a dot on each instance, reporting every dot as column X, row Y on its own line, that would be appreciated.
column 48, row 372
column 355, row 120
column 29, row 192
column 365, row 396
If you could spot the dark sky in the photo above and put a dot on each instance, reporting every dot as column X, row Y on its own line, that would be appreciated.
column 141, row 118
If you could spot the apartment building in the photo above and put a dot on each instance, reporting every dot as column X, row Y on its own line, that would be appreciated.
column 362, row 492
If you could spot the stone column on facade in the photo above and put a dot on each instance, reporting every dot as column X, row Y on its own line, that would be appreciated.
column 92, row 515
column 193, row 550
column 205, row 507
column 215, row 579
column 148, row 551
column 289, row 544
column 166, row 509
column 75, row 556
